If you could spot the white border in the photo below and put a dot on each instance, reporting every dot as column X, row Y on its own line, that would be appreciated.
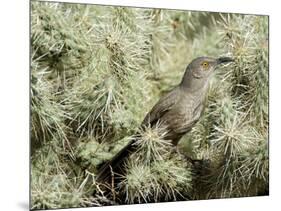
column 14, row 111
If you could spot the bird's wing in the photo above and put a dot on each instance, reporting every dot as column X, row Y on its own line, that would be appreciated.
column 164, row 104
column 185, row 118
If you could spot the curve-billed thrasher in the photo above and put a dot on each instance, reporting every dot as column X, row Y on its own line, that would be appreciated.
column 178, row 110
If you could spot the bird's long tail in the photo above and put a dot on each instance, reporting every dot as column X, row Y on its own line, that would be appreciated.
column 114, row 166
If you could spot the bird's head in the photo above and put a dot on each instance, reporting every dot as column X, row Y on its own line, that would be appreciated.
column 200, row 69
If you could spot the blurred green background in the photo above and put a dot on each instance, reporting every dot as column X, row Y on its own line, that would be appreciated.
column 95, row 73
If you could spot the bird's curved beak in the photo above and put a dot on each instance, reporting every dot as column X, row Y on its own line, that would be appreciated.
column 223, row 60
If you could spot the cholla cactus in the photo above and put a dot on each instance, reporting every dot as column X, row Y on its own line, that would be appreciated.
column 249, row 79
column 237, row 129
column 102, row 97
column 97, row 70
column 155, row 172
column 48, row 113
column 246, row 38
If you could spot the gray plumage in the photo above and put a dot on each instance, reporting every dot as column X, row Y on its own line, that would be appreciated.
column 178, row 111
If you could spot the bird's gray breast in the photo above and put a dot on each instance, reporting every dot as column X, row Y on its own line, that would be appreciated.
column 184, row 114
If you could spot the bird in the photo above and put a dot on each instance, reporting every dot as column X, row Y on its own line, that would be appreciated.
column 178, row 110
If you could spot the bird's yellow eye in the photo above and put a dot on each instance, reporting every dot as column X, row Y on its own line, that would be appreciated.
column 205, row 65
